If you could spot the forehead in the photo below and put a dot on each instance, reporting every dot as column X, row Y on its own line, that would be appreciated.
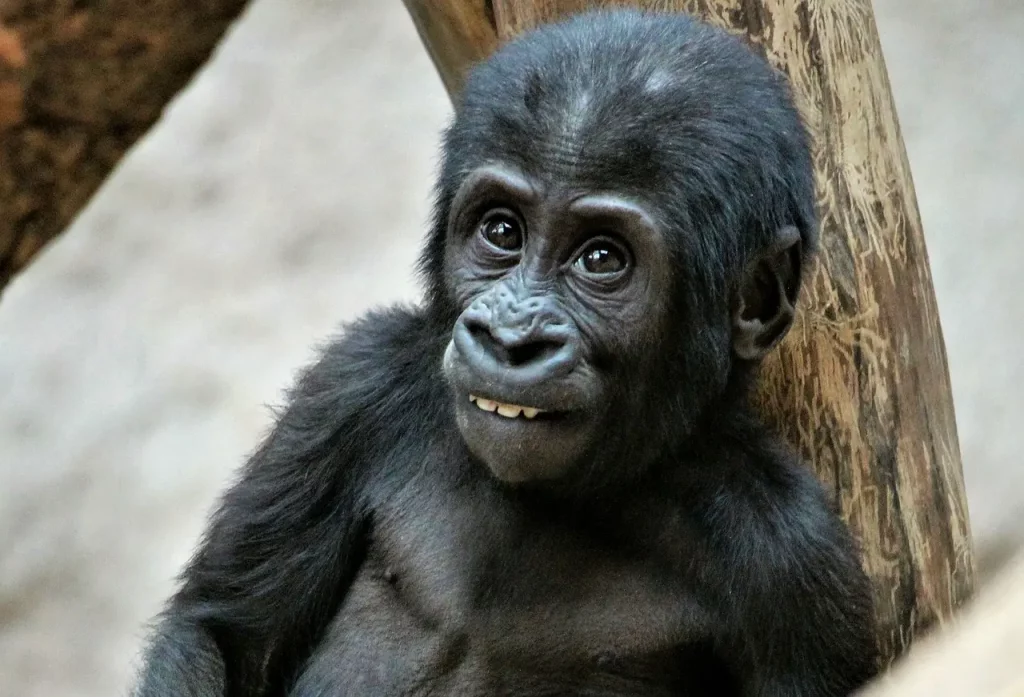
column 603, row 111
column 567, row 131
column 666, row 111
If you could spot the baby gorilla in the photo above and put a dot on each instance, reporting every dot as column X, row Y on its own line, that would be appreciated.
column 547, row 480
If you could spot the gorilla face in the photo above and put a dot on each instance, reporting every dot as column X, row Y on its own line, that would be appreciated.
column 560, row 293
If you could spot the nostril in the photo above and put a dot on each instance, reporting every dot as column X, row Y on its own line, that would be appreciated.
column 532, row 352
column 512, row 347
column 483, row 338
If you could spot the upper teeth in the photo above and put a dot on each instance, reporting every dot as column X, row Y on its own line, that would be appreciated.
column 510, row 411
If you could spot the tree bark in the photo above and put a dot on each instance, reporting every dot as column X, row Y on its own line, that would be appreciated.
column 860, row 385
column 80, row 82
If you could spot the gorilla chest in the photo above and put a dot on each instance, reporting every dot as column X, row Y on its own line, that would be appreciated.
column 463, row 595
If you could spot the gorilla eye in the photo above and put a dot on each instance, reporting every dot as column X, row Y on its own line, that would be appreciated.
column 602, row 259
column 503, row 231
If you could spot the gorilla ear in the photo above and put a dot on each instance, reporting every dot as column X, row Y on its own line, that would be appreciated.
column 763, row 308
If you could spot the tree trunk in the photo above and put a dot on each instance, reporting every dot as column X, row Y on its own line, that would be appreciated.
column 860, row 385
column 80, row 82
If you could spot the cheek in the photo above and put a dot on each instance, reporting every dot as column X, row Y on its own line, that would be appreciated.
column 619, row 334
column 463, row 280
column 465, row 287
column 467, row 276
column 621, row 325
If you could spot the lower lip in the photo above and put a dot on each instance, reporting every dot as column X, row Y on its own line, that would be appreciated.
column 520, row 411
column 546, row 419
column 541, row 414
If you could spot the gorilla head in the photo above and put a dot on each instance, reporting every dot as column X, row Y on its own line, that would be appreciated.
column 619, row 237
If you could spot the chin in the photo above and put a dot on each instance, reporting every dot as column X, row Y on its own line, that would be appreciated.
column 517, row 449
column 524, row 431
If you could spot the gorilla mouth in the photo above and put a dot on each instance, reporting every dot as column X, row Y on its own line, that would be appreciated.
column 509, row 411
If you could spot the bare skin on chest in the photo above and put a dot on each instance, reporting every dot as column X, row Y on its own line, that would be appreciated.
column 436, row 609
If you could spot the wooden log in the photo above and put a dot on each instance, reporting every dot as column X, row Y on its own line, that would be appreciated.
column 860, row 385
column 79, row 84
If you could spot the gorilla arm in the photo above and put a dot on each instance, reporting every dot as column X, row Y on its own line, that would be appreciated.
column 799, row 607
column 287, row 538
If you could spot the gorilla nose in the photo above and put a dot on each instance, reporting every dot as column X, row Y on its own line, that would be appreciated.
column 529, row 352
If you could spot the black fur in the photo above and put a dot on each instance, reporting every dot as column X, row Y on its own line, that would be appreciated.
column 685, row 551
